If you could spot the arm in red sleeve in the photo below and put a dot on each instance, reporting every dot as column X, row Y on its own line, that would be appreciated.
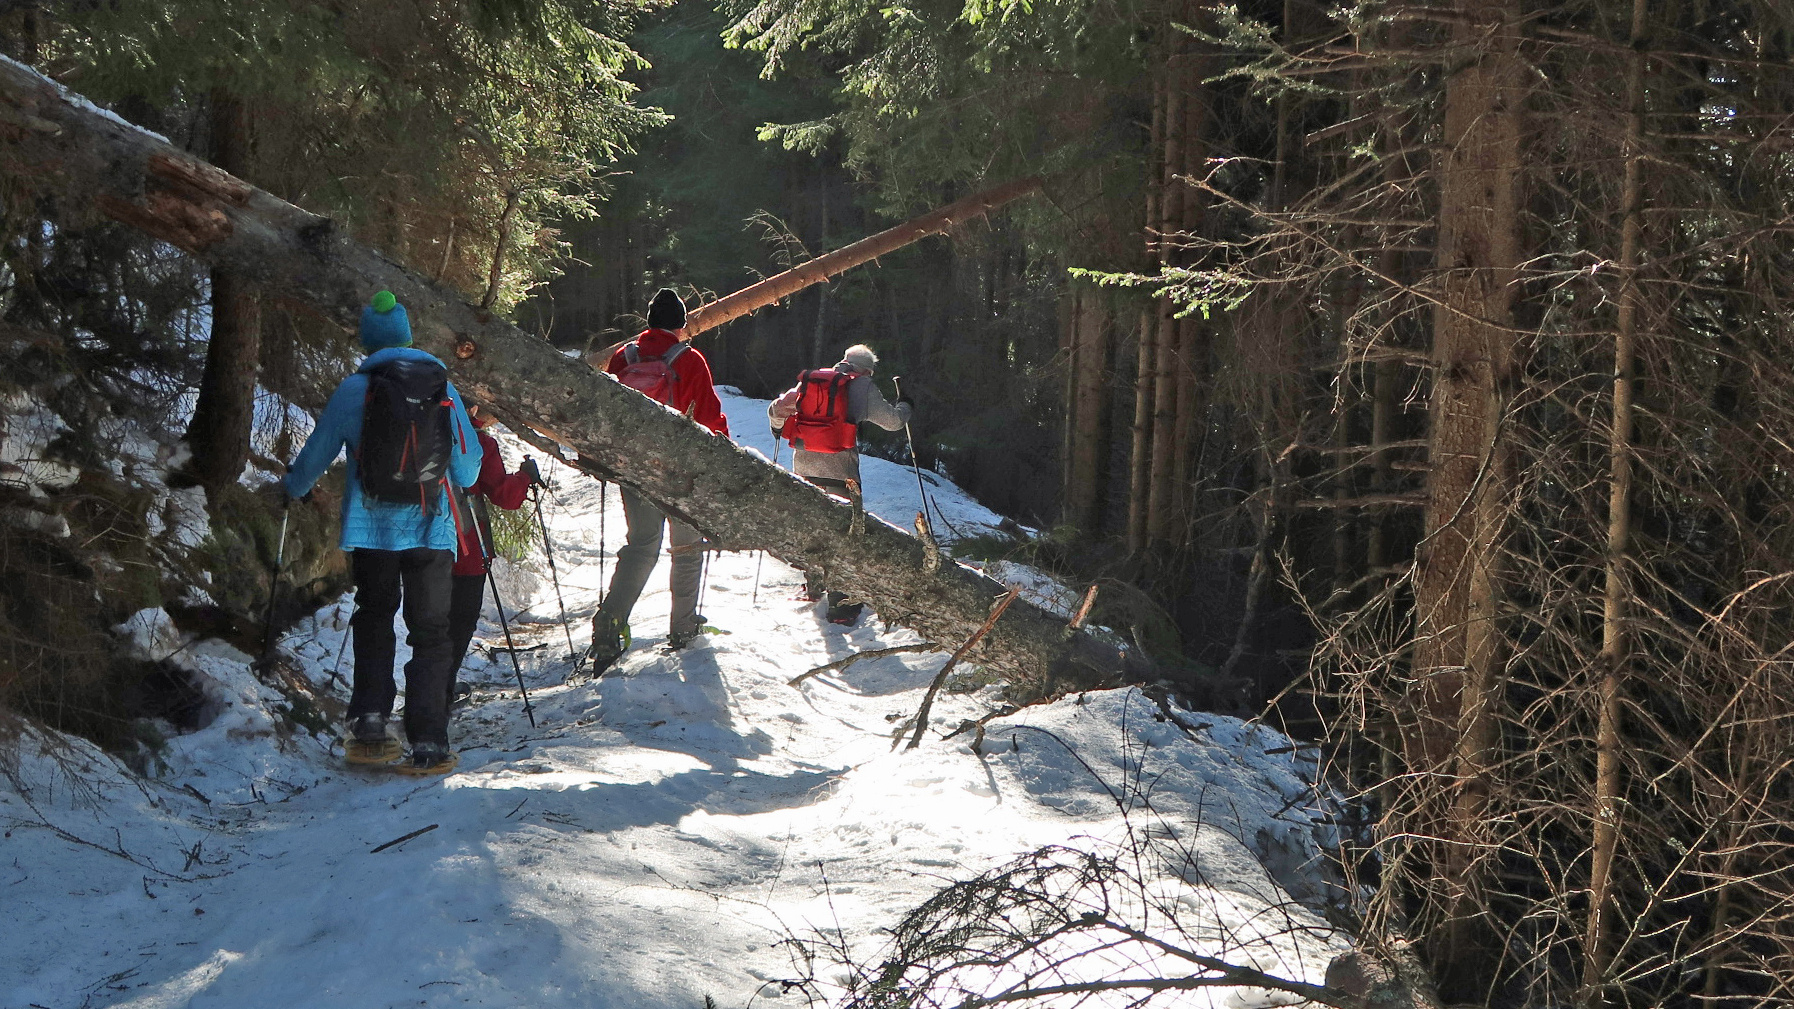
column 506, row 490
column 617, row 362
column 697, row 391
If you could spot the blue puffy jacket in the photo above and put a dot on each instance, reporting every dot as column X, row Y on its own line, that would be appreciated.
column 378, row 525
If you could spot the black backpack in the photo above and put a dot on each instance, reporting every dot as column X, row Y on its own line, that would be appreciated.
column 407, row 433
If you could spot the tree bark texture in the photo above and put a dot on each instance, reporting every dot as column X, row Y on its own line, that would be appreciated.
column 782, row 285
column 1459, row 653
column 224, row 415
column 84, row 161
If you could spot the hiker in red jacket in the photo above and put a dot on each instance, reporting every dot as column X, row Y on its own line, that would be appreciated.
column 474, row 530
column 662, row 365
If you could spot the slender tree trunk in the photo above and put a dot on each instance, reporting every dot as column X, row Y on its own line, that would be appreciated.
column 1617, row 594
column 1087, row 443
column 496, row 274
column 1193, row 334
column 1140, row 460
column 1070, row 304
column 1161, row 488
column 1192, row 353
column 819, row 338
column 224, row 415
column 1146, row 359
column 1382, row 417
column 1459, row 650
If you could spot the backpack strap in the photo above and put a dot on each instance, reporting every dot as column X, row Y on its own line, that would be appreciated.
column 632, row 353
column 834, row 387
column 677, row 349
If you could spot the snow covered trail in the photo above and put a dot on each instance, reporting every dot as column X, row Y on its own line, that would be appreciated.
column 652, row 841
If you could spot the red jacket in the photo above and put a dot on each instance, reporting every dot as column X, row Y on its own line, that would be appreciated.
column 694, row 391
column 506, row 490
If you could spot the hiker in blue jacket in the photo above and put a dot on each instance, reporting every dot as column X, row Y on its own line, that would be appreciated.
column 397, row 551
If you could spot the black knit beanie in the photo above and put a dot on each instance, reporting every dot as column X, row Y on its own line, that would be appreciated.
column 666, row 311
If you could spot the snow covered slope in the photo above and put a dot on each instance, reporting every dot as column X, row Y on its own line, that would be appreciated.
column 653, row 840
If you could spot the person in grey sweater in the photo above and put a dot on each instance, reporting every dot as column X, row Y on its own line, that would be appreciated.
column 819, row 417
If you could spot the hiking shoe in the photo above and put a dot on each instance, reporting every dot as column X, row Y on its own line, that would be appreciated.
column 368, row 728
column 459, row 694
column 429, row 758
column 610, row 639
column 845, row 614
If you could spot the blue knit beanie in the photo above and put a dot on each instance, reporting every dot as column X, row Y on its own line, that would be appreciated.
column 384, row 324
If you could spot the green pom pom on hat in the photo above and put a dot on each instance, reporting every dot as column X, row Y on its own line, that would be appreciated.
column 384, row 323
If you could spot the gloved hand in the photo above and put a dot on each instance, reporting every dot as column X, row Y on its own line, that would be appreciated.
column 304, row 498
column 529, row 469
column 906, row 401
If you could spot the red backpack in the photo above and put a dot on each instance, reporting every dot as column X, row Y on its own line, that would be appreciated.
column 820, row 423
column 654, row 377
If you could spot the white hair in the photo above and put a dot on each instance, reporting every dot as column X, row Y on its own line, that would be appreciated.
column 860, row 357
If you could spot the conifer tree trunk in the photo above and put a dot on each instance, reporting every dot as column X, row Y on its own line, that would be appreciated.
column 1162, row 459
column 1087, row 411
column 224, row 416
column 1146, row 358
column 1459, row 651
column 1617, row 592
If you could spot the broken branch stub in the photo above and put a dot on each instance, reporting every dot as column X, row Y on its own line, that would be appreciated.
column 92, row 161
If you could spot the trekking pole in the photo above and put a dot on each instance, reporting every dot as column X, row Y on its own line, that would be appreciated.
column 280, row 559
column 914, row 463
column 548, row 548
column 497, row 601
column 758, row 560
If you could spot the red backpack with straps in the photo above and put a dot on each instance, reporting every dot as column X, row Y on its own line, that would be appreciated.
column 821, row 423
column 652, row 377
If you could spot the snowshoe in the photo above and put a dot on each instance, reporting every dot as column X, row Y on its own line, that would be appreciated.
column 845, row 614
column 428, row 759
column 377, row 752
column 610, row 639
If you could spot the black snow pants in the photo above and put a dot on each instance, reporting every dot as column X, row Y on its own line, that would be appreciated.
column 422, row 580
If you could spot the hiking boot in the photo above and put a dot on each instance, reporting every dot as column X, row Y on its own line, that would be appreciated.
column 610, row 639
column 429, row 758
column 677, row 640
column 368, row 728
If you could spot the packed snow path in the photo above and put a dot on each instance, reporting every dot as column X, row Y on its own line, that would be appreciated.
column 653, row 841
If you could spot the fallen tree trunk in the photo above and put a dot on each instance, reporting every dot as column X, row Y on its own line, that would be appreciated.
column 79, row 159
column 783, row 285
